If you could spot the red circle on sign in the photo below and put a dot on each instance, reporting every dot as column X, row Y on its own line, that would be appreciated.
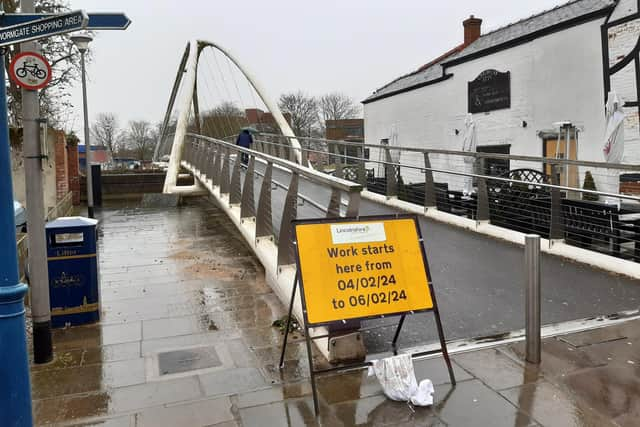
column 34, row 71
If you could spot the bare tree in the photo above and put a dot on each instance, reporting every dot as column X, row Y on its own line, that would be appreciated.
column 105, row 131
column 338, row 106
column 303, row 110
column 140, row 138
column 55, row 99
column 223, row 120
column 228, row 109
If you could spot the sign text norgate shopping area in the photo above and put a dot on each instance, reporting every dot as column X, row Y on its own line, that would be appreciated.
column 43, row 28
column 362, row 269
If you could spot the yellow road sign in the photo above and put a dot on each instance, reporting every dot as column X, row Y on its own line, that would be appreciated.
column 361, row 269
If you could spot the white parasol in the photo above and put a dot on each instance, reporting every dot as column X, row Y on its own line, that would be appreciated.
column 613, row 149
column 469, row 142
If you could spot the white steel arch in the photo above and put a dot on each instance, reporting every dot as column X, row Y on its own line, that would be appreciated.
column 187, row 74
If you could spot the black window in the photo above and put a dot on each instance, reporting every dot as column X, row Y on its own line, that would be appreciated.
column 493, row 166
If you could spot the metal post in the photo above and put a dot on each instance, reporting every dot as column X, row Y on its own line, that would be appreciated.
column 38, row 270
column 556, row 231
column 247, row 205
column 362, row 172
column 429, row 184
column 338, row 162
column 333, row 210
column 482, row 209
column 224, row 180
column 217, row 157
column 305, row 155
column 264, row 220
column 390, row 175
column 235, row 192
column 532, row 297
column 353, row 208
column 87, row 141
column 286, row 252
column 15, row 392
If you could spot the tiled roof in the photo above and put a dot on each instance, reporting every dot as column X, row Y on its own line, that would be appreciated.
column 518, row 30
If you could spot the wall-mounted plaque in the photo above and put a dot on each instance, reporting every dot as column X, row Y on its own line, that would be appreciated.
column 491, row 90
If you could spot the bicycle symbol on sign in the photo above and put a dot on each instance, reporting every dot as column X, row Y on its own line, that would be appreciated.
column 34, row 70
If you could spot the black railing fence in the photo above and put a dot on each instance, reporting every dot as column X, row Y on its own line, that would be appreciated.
column 556, row 198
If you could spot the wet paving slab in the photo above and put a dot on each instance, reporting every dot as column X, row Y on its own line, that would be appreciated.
column 186, row 339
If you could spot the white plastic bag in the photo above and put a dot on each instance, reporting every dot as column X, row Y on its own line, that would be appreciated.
column 398, row 380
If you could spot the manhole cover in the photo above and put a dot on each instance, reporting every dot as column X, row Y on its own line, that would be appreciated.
column 173, row 362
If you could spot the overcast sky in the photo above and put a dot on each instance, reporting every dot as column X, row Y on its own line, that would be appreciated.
column 350, row 46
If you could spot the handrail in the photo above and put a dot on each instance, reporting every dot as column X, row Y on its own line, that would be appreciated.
column 474, row 175
column 313, row 175
column 549, row 160
column 523, row 205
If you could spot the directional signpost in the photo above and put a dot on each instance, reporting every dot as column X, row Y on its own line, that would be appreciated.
column 97, row 21
column 15, row 390
column 43, row 28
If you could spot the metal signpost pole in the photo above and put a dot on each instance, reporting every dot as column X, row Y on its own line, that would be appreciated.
column 38, row 271
column 87, row 141
column 15, row 391
column 532, row 297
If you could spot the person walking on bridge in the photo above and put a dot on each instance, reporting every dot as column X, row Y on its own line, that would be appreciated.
column 245, row 140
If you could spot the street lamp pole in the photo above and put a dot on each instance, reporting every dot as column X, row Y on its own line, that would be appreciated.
column 82, row 43
column 36, row 213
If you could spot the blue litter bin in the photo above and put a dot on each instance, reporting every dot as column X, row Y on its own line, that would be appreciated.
column 73, row 271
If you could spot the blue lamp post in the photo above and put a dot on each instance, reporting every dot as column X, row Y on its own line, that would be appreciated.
column 15, row 387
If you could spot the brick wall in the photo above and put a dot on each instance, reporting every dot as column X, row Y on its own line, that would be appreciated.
column 349, row 129
column 630, row 188
column 62, row 175
column 73, row 172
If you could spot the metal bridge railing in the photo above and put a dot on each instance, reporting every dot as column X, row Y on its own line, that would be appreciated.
column 523, row 193
column 234, row 169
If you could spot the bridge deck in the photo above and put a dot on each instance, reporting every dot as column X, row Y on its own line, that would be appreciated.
column 479, row 281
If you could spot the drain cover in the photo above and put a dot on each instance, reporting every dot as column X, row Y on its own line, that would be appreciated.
column 173, row 362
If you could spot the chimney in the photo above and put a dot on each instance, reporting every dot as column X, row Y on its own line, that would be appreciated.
column 471, row 29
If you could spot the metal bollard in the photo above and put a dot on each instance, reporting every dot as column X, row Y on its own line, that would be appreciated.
column 532, row 298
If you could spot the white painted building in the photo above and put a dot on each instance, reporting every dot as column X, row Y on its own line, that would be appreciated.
column 555, row 71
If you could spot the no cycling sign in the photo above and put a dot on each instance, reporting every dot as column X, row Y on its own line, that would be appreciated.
column 364, row 269
column 30, row 70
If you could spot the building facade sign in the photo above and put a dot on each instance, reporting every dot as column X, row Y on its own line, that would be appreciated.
column 491, row 90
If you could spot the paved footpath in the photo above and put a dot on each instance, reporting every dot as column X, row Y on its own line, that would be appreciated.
column 186, row 340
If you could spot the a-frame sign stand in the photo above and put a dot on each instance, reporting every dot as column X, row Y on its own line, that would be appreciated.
column 365, row 268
